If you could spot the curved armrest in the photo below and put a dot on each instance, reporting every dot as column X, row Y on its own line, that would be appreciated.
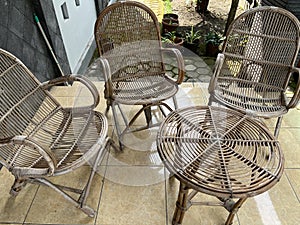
column 24, row 140
column 107, row 77
column 218, row 65
column 180, row 63
column 296, row 97
column 70, row 79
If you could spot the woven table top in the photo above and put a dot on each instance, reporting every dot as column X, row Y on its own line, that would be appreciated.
column 220, row 152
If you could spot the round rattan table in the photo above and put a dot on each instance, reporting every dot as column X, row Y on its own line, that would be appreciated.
column 220, row 152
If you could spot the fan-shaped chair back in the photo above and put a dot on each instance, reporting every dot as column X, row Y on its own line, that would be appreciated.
column 253, row 72
column 127, row 34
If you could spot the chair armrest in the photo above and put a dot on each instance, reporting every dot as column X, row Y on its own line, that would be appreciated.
column 180, row 63
column 218, row 65
column 24, row 140
column 107, row 77
column 296, row 97
column 70, row 79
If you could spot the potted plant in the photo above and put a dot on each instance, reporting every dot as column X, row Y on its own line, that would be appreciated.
column 171, row 38
column 191, row 39
column 213, row 41
column 169, row 22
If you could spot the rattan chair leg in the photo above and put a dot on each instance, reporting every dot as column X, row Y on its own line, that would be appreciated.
column 81, row 201
column 117, row 126
column 86, row 190
column 175, row 102
column 277, row 127
column 148, row 115
column 86, row 209
column 18, row 185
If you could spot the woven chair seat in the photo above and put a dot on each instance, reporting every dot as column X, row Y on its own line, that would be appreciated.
column 143, row 90
column 248, row 99
column 69, row 144
column 39, row 138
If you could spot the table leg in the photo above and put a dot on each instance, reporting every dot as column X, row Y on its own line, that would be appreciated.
column 234, row 210
column 181, row 204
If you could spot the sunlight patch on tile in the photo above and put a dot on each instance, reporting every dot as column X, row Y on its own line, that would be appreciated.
column 266, row 209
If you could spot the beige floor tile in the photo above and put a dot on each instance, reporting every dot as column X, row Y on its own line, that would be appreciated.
column 65, row 101
column 292, row 118
column 127, row 205
column 50, row 207
column 135, row 175
column 11, row 223
column 289, row 139
column 14, row 209
column 134, row 188
column 196, row 214
column 139, row 149
column 278, row 206
column 293, row 176
column 130, row 111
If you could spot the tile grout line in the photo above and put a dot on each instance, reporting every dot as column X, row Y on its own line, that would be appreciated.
column 290, row 183
column 166, row 196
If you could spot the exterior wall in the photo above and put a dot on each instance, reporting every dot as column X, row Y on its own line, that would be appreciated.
column 278, row 3
column 19, row 35
column 291, row 5
column 294, row 7
column 77, row 29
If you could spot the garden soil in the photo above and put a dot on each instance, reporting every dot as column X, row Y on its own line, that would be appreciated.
column 213, row 20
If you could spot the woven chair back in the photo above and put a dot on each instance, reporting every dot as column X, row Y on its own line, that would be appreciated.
column 127, row 35
column 24, row 104
column 260, row 49
column 25, row 107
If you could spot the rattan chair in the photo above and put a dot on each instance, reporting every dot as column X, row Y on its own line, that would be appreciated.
column 40, row 139
column 254, row 69
column 128, row 40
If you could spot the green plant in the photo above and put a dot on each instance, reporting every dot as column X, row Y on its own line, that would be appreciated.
column 171, row 38
column 168, row 6
column 191, row 36
column 214, row 38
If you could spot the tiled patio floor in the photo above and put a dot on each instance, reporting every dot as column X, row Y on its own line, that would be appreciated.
column 133, row 187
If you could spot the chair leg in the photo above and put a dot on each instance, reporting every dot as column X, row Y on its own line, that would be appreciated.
column 86, row 209
column 118, row 129
column 175, row 102
column 85, row 193
column 18, row 185
column 277, row 127
column 81, row 201
column 148, row 115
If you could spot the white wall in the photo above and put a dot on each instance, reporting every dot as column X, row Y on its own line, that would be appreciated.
column 77, row 30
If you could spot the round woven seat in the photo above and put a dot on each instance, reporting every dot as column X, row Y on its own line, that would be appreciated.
column 144, row 90
column 220, row 152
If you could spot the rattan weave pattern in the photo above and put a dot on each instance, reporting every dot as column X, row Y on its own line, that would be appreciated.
column 127, row 36
column 253, row 71
column 220, row 152
column 131, row 54
column 40, row 138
